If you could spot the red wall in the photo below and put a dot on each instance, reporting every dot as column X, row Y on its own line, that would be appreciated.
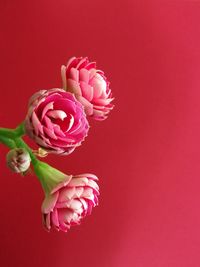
column 146, row 153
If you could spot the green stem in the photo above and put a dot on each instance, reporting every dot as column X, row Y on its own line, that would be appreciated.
column 12, row 133
column 8, row 142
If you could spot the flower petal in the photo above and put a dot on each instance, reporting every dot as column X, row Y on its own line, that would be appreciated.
column 49, row 202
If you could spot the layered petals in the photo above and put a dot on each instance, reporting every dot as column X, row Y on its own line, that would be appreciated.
column 89, row 85
column 56, row 121
column 70, row 202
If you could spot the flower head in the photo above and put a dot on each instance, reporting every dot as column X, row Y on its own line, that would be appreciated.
column 89, row 85
column 68, row 198
column 18, row 160
column 56, row 121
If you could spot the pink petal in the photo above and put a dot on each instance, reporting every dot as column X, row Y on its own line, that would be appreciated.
column 63, row 76
column 87, row 90
column 75, row 204
column 78, row 181
column 49, row 203
column 50, row 133
column 73, row 87
column 82, row 63
column 84, row 75
column 71, row 122
column 58, row 131
column 49, row 106
column 88, row 175
column 73, row 74
column 88, row 107
column 65, row 215
column 98, row 84
column 46, row 220
column 36, row 124
column 70, row 61
column 66, row 194
column 91, row 65
column 57, row 114
column 54, row 218
column 102, row 102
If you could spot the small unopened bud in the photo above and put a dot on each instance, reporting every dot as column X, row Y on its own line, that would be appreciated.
column 18, row 160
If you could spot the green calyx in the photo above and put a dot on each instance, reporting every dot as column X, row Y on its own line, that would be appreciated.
column 50, row 177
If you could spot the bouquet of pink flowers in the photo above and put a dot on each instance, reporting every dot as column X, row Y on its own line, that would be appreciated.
column 57, row 120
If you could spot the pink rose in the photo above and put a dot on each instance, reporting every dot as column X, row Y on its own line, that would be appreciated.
column 70, row 201
column 89, row 85
column 56, row 121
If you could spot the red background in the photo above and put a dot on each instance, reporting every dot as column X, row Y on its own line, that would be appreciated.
column 146, row 153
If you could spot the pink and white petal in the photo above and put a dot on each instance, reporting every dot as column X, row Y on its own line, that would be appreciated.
column 91, row 183
column 88, row 193
column 48, row 123
column 88, row 107
column 73, row 74
column 43, row 141
column 99, row 115
column 57, row 114
column 69, row 150
column 62, row 205
column 87, row 90
column 71, row 122
column 101, row 102
column 82, row 181
column 78, row 191
column 91, row 65
column 54, row 218
column 73, row 87
column 74, row 204
column 65, row 215
column 99, row 85
column 36, row 124
column 64, row 227
column 63, row 76
column 48, row 107
column 90, row 206
column 35, row 97
column 66, row 193
column 58, row 131
column 47, row 221
column 84, row 75
column 49, row 202
column 88, row 175
column 84, row 203
column 96, row 200
column 70, row 62
column 82, row 63
column 92, row 73
column 50, row 133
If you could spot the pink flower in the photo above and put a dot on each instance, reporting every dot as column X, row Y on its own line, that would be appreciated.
column 89, row 85
column 56, row 121
column 68, row 198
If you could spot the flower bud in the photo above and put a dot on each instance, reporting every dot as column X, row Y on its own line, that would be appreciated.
column 18, row 160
